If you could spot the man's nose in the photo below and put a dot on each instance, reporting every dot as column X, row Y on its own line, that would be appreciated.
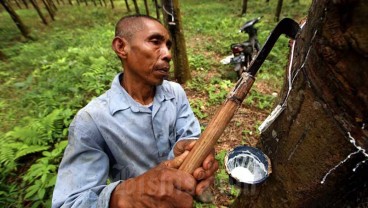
column 166, row 54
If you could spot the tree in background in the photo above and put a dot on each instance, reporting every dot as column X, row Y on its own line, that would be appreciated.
column 172, row 19
column 318, row 145
column 23, row 29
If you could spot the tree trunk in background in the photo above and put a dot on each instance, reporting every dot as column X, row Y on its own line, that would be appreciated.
column 127, row 5
column 112, row 4
column 37, row 8
column 18, row 5
column 70, row 2
column 52, row 5
column 322, row 134
column 146, row 6
column 49, row 10
column 179, row 51
column 157, row 9
column 23, row 29
column 25, row 3
column 136, row 7
column 278, row 10
column 244, row 7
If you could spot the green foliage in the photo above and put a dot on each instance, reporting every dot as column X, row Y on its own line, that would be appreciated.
column 262, row 101
column 197, row 107
column 218, row 90
column 41, row 176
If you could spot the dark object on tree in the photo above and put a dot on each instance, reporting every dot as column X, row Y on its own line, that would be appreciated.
column 23, row 29
column 244, row 7
column 37, row 8
column 223, row 116
column 318, row 145
column 172, row 19
column 136, row 7
column 278, row 10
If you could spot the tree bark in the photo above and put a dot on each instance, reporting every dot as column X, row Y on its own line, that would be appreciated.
column 18, row 5
column 37, row 8
column 244, row 7
column 25, row 3
column 146, row 6
column 127, row 5
column 278, row 10
column 318, row 145
column 49, row 9
column 157, row 9
column 23, row 29
column 112, row 4
column 179, row 51
column 136, row 7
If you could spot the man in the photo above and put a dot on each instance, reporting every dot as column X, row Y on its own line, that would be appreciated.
column 136, row 134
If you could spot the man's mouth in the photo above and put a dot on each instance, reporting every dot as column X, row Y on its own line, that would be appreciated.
column 163, row 70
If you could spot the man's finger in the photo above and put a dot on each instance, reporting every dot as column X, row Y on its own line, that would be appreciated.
column 177, row 161
column 203, row 185
column 183, row 145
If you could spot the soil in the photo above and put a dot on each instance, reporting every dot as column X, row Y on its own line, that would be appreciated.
column 240, row 131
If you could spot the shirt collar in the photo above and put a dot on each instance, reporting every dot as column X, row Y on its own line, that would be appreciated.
column 119, row 99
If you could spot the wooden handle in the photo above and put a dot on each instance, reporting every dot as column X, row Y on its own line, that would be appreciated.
column 217, row 125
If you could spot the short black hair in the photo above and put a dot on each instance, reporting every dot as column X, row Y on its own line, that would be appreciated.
column 128, row 25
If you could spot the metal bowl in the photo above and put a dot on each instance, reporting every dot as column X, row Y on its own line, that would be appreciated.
column 247, row 166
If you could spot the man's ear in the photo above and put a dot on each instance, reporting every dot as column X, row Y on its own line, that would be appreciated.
column 119, row 45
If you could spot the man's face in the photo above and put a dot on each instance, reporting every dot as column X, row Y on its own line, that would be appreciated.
column 148, row 54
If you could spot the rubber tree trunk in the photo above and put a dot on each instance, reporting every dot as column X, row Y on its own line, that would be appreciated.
column 23, row 29
column 112, row 4
column 179, row 51
column 278, row 10
column 157, row 9
column 18, row 5
column 136, row 7
column 25, row 3
column 146, row 7
column 37, row 8
column 244, row 7
column 127, row 5
column 318, row 145
column 49, row 9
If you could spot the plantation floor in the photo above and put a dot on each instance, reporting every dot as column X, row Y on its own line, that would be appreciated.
column 240, row 131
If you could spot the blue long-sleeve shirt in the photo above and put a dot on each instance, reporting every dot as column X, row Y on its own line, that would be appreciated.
column 116, row 138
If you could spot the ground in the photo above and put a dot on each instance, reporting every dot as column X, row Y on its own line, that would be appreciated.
column 240, row 131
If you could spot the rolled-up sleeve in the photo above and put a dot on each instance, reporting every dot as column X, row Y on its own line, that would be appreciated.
column 83, row 172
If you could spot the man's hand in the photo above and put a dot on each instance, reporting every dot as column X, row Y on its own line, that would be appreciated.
column 161, row 186
column 205, row 174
